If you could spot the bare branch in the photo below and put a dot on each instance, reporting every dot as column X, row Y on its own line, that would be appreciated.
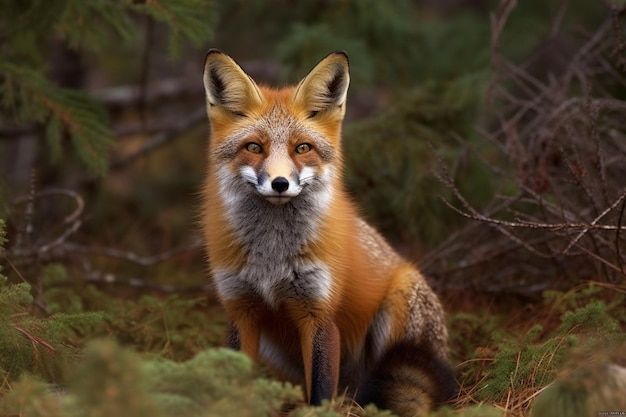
column 162, row 138
column 594, row 225
column 72, row 217
column 562, row 155
column 585, row 227
column 99, row 277
column 498, row 21
column 158, row 91
column 131, row 256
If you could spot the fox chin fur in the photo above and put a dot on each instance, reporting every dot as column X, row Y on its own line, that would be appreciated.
column 311, row 288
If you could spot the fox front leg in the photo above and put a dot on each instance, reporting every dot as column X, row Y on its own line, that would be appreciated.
column 320, row 353
column 232, row 336
column 243, row 331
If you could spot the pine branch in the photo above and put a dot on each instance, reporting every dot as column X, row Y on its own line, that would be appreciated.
column 61, row 111
column 191, row 19
column 28, row 97
column 90, row 24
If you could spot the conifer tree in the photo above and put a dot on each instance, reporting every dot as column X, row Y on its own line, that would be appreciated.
column 28, row 95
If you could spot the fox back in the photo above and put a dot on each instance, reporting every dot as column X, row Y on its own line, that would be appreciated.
column 309, row 286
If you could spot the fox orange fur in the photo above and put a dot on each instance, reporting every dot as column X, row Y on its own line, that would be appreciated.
column 308, row 285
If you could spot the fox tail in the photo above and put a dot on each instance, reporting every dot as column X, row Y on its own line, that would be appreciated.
column 410, row 380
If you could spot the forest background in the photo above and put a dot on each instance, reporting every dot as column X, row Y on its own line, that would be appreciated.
column 486, row 139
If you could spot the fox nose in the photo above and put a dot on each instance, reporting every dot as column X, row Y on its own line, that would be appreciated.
column 280, row 184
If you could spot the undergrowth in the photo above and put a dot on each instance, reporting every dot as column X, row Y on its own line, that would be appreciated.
column 154, row 355
column 111, row 380
column 532, row 361
column 509, row 364
column 34, row 344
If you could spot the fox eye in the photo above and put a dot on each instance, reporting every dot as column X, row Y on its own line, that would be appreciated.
column 303, row 148
column 254, row 147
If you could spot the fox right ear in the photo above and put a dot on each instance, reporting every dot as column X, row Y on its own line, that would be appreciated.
column 227, row 85
column 326, row 86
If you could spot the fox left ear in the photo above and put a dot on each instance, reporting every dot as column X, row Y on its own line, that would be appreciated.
column 326, row 86
column 227, row 86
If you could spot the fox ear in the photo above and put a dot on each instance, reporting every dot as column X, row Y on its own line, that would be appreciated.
column 326, row 86
column 227, row 85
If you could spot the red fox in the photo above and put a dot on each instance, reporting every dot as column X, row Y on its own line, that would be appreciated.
column 310, row 287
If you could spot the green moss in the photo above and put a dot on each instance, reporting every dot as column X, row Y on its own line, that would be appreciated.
column 113, row 381
column 31, row 397
column 110, row 382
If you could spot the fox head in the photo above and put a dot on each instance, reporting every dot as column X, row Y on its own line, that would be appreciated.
column 277, row 144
